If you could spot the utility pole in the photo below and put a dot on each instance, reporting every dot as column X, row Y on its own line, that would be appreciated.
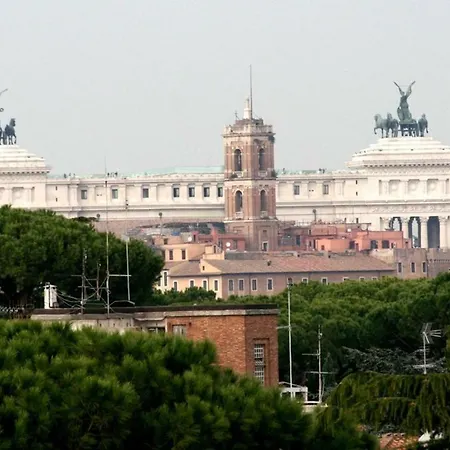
column 290, row 336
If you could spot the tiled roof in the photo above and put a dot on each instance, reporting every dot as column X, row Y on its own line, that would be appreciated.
column 398, row 441
column 171, row 264
column 308, row 264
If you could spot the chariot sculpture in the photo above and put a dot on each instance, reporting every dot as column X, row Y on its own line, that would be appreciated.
column 406, row 124
column 8, row 134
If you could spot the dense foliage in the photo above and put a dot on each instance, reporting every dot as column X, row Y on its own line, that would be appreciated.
column 65, row 389
column 38, row 247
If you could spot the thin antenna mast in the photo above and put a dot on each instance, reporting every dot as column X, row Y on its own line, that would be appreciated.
column 427, row 334
column 251, row 93
column 107, row 243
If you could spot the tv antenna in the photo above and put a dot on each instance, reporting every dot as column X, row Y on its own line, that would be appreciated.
column 427, row 334
column 319, row 372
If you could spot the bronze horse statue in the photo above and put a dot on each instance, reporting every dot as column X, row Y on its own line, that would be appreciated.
column 388, row 126
column 9, row 133
column 423, row 125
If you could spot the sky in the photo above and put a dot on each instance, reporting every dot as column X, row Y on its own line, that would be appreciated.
column 139, row 85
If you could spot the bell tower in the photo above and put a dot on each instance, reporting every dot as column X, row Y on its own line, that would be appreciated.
column 250, row 181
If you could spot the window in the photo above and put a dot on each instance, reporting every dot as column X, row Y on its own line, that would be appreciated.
column 240, row 285
column 175, row 286
column 361, row 278
column 296, row 189
column 374, row 278
column 238, row 201
column 216, row 285
column 413, row 267
column 424, row 267
column 230, row 285
column 325, row 189
column 219, row 191
column 115, row 193
column 261, row 159
column 263, row 201
column 183, row 254
column 324, row 280
column 305, row 280
column 259, row 360
column 384, row 244
column 206, row 191
column 176, row 192
column 399, row 267
column 191, row 283
column 171, row 255
column 373, row 244
column 179, row 330
column 145, row 192
column 298, row 240
column 269, row 284
column 165, row 279
column 191, row 191
column 289, row 282
column 265, row 246
column 205, row 285
column 254, row 285
column 84, row 194
column 237, row 160
column 345, row 278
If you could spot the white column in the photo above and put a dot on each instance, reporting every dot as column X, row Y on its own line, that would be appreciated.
column 405, row 227
column 424, row 232
column 443, row 232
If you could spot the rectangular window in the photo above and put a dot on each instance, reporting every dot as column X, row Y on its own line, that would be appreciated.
column 374, row 278
column 205, row 285
column 305, row 280
column 206, row 191
column 84, row 194
column 216, row 285
column 324, row 280
column 265, row 246
column 230, row 285
column 115, row 193
column 191, row 191
column 424, row 267
column 219, row 191
column 179, row 330
column 175, row 286
column 254, row 285
column 413, row 267
column 176, row 192
column 361, row 278
column 296, row 189
column 165, row 278
column 171, row 255
column 240, row 285
column 260, row 363
column 399, row 267
column 183, row 254
column 269, row 284
column 345, row 278
column 191, row 283
column 145, row 192
column 325, row 189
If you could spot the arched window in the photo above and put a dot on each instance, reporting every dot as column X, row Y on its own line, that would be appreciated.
column 237, row 160
column 261, row 163
column 263, row 200
column 238, row 199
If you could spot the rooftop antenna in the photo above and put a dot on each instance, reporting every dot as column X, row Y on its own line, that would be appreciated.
column 251, row 93
column 427, row 334
column 107, row 243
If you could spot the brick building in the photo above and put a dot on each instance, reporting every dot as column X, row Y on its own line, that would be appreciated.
column 245, row 336
column 269, row 276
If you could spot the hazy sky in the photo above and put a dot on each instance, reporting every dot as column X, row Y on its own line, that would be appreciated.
column 151, row 83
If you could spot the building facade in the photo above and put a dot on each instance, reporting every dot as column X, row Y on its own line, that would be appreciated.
column 399, row 182
column 245, row 336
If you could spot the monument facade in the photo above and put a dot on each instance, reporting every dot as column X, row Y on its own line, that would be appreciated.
column 401, row 181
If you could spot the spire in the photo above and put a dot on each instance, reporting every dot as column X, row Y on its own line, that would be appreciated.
column 248, row 108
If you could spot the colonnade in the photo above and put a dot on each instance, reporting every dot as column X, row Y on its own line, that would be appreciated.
column 422, row 231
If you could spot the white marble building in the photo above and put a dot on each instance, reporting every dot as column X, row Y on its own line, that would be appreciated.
column 404, row 178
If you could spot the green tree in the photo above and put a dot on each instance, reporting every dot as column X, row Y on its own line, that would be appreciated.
column 38, row 247
column 92, row 390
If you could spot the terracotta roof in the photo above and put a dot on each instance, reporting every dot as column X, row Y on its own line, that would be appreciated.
column 397, row 441
column 308, row 264
column 170, row 264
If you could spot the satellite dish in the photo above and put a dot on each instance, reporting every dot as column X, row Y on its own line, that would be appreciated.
column 189, row 239
column 228, row 244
